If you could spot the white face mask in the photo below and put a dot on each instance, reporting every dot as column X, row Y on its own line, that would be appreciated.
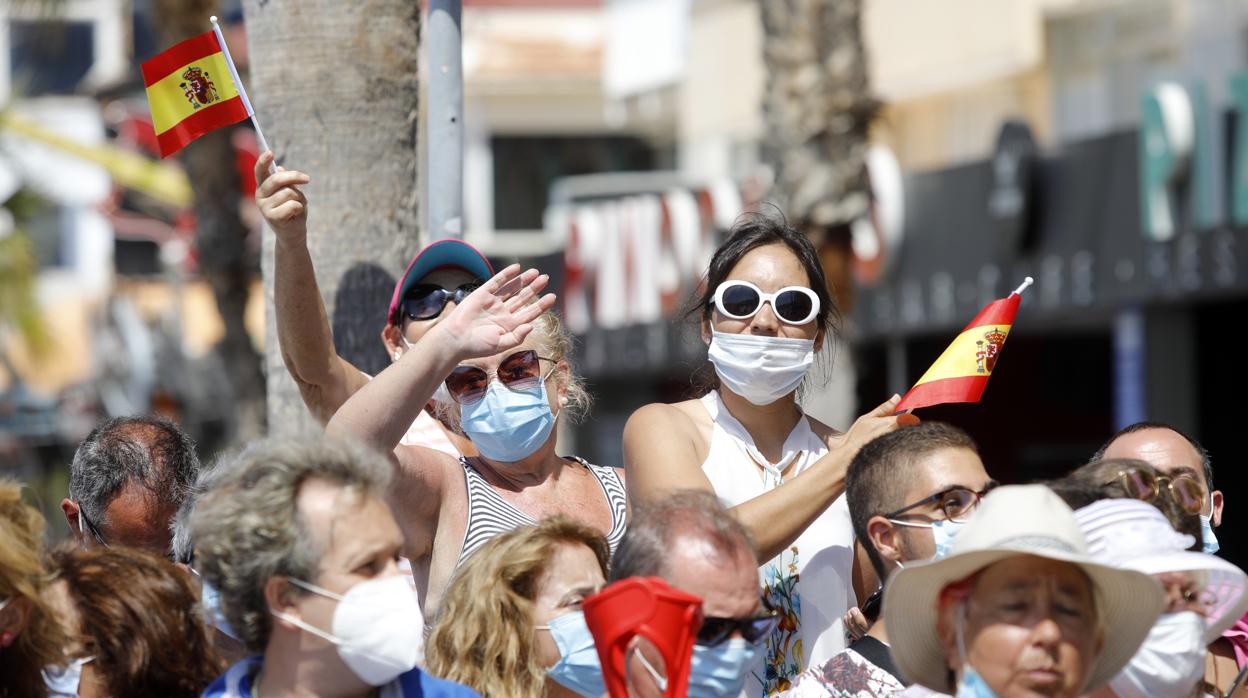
column 62, row 682
column 1169, row 663
column 376, row 627
column 760, row 369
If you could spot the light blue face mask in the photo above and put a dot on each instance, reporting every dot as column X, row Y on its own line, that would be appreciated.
column 1209, row 541
column 508, row 425
column 943, row 533
column 62, row 682
column 720, row 670
column 578, row 667
column 210, row 599
column 971, row 685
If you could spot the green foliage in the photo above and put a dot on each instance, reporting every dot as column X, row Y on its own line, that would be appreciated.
column 19, row 268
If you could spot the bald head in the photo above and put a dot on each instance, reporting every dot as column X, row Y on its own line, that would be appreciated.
column 1171, row 452
column 127, row 481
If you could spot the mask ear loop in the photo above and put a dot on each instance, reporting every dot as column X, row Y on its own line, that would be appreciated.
column 661, row 681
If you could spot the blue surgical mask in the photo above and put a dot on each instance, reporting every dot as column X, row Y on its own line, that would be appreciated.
column 720, row 670
column 210, row 599
column 943, row 533
column 508, row 425
column 972, row 685
column 62, row 682
column 1209, row 540
column 578, row 667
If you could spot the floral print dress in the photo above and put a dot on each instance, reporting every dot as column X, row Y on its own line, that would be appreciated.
column 808, row 583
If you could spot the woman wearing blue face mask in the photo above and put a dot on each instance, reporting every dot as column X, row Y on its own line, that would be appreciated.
column 765, row 315
column 503, row 359
column 511, row 622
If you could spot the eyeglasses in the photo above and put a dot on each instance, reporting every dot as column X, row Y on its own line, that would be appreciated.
column 427, row 301
column 715, row 630
column 91, row 527
column 956, row 503
column 519, row 371
column 1144, row 485
column 795, row 305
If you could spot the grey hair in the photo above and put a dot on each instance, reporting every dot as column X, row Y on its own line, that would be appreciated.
column 556, row 343
column 247, row 527
column 183, row 543
column 151, row 451
column 654, row 526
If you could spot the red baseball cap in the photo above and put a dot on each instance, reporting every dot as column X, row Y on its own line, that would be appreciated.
column 440, row 254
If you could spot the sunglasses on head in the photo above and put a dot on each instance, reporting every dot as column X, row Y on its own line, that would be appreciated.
column 715, row 630
column 740, row 300
column 519, row 371
column 427, row 301
column 1144, row 485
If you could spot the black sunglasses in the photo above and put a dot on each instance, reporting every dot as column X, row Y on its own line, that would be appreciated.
column 427, row 301
column 715, row 630
column 871, row 607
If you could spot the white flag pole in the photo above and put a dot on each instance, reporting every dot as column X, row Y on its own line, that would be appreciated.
column 1023, row 286
column 242, row 92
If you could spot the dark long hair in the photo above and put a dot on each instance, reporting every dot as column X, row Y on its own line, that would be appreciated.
column 751, row 231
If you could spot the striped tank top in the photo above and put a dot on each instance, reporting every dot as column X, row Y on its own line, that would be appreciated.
column 490, row 515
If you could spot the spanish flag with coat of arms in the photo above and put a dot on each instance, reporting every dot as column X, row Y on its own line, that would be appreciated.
column 962, row 372
column 193, row 88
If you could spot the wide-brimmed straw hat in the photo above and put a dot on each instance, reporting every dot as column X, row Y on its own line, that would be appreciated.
column 1135, row 535
column 1013, row 521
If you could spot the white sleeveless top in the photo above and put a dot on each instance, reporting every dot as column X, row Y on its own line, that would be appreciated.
column 811, row 581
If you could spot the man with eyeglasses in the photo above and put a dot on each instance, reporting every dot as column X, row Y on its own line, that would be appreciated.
column 438, row 278
column 126, row 482
column 909, row 492
column 696, row 545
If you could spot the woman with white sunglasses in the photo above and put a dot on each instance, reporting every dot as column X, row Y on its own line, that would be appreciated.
column 503, row 360
column 765, row 314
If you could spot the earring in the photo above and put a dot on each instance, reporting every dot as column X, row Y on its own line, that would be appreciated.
column 396, row 354
column 563, row 401
column 6, row 638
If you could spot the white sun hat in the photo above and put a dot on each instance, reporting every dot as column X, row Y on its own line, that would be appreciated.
column 1135, row 535
column 1013, row 521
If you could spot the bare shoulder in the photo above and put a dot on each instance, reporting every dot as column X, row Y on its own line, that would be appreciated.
column 674, row 435
column 660, row 419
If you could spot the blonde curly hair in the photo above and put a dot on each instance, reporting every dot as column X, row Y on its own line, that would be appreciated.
column 484, row 636
column 24, row 576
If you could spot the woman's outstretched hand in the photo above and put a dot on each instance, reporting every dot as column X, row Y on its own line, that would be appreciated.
column 499, row 315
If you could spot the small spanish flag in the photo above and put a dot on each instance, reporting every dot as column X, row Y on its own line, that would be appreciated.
column 193, row 89
column 962, row 372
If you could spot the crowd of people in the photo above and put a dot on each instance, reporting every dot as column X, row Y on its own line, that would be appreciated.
column 433, row 542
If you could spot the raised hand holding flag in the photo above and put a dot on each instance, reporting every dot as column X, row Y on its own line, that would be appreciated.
column 962, row 372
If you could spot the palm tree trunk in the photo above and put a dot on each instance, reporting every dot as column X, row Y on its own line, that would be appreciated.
column 336, row 89
column 818, row 109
